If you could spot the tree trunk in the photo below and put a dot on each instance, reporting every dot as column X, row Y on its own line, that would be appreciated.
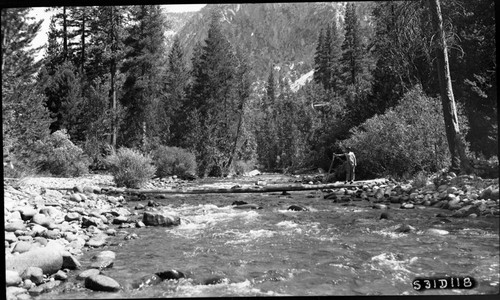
column 456, row 144
column 83, row 40
column 114, row 38
column 65, row 35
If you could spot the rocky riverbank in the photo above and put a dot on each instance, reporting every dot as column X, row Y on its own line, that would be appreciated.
column 47, row 231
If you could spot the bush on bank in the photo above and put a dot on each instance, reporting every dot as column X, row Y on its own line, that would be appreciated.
column 174, row 161
column 130, row 168
column 407, row 139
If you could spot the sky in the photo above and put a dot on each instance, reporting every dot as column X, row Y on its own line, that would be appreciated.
column 39, row 13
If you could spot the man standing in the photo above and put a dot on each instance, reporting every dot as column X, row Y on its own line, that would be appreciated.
column 350, row 164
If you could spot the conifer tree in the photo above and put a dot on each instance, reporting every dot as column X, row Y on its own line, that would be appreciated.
column 319, row 59
column 143, row 60
column 25, row 118
column 351, row 47
column 176, row 82
column 213, row 97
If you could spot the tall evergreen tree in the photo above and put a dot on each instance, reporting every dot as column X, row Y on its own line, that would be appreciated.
column 213, row 98
column 351, row 47
column 142, row 65
column 176, row 83
column 319, row 58
column 334, row 66
column 25, row 118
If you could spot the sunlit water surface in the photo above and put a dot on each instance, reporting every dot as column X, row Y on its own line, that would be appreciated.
column 332, row 249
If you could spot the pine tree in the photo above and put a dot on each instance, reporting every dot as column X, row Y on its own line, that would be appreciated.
column 104, row 62
column 319, row 59
column 213, row 97
column 25, row 118
column 176, row 83
column 142, row 64
column 351, row 47
column 334, row 66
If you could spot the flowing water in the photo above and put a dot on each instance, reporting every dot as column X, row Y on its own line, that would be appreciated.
column 332, row 249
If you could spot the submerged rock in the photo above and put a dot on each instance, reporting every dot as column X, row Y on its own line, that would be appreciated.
column 239, row 202
column 297, row 208
column 404, row 228
column 215, row 280
column 171, row 275
column 434, row 231
column 248, row 206
column 385, row 215
column 147, row 280
column 102, row 283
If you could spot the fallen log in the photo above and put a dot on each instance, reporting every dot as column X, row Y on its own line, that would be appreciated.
column 236, row 189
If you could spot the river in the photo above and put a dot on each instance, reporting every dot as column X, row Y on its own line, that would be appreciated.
column 332, row 249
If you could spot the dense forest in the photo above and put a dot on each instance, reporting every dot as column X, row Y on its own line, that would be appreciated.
column 111, row 78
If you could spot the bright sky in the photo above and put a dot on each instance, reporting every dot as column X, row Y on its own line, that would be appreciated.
column 39, row 13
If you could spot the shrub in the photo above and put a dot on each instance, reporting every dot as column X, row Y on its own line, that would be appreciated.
column 174, row 161
column 240, row 167
column 406, row 139
column 130, row 168
column 59, row 156
column 421, row 179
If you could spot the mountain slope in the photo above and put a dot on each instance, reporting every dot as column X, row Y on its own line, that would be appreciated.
column 284, row 34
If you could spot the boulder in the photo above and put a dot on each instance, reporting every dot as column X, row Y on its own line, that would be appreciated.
column 61, row 275
column 88, row 273
column 297, row 208
column 170, row 275
column 120, row 220
column 97, row 241
column 13, row 292
column 72, row 216
column 28, row 212
column 22, row 246
column 51, row 212
column 16, row 225
column 103, row 260
column 49, row 259
column 42, row 220
column 10, row 237
column 466, row 211
column 12, row 278
column 53, row 193
column 50, row 285
column 153, row 218
column 70, row 262
column 102, row 283
column 454, row 204
column 75, row 197
column 88, row 189
column 34, row 274
column 91, row 221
